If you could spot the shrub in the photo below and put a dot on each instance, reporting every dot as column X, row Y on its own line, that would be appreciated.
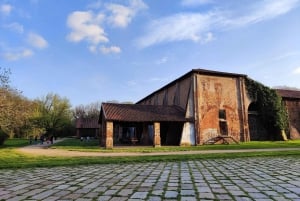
column 3, row 136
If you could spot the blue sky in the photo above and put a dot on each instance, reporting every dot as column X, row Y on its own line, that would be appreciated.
column 123, row 50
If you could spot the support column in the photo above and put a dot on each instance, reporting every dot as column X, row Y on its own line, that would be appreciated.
column 156, row 136
column 77, row 133
column 109, row 135
column 145, row 135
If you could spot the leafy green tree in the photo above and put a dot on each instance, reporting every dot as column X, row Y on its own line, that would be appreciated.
column 53, row 113
column 14, row 108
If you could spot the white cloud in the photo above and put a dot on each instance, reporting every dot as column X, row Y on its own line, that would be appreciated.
column 37, row 41
column 16, row 27
column 122, row 15
column 195, row 2
column 185, row 26
column 162, row 60
column 88, row 26
column 199, row 27
column 264, row 10
column 17, row 54
column 297, row 71
column 5, row 9
column 111, row 49
column 95, row 5
column 85, row 25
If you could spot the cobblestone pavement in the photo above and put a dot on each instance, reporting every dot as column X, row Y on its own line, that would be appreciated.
column 259, row 179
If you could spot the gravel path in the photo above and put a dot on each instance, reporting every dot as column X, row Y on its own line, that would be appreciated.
column 45, row 150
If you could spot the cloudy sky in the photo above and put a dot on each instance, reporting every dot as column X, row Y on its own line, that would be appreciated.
column 89, row 50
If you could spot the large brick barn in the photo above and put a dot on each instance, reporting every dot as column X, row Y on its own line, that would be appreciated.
column 192, row 110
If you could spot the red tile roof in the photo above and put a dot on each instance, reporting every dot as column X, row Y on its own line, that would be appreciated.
column 292, row 94
column 142, row 113
column 87, row 123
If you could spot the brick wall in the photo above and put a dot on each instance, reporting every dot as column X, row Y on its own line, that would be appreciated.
column 293, row 107
column 214, row 94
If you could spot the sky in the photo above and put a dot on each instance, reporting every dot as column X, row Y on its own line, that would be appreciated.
column 103, row 50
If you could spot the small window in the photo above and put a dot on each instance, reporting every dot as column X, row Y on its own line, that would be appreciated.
column 222, row 114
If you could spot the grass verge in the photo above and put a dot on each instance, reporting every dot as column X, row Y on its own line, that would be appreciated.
column 93, row 146
column 10, row 158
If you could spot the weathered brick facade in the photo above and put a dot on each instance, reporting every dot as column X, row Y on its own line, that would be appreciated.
column 204, row 95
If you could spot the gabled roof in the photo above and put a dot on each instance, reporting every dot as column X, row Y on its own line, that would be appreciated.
column 141, row 113
column 87, row 123
column 195, row 71
column 290, row 94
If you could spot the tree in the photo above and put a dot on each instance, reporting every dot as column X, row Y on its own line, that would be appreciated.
column 14, row 108
column 53, row 113
column 91, row 110
column 270, row 105
column 4, row 78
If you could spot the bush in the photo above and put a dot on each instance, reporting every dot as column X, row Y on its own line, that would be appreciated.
column 3, row 137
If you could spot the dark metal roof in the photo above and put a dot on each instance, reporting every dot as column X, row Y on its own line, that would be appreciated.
column 291, row 94
column 87, row 123
column 141, row 113
column 197, row 71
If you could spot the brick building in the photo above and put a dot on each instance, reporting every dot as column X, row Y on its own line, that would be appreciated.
column 191, row 110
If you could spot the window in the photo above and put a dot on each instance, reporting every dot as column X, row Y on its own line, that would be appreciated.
column 222, row 114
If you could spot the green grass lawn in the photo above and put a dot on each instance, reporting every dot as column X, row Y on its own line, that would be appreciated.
column 93, row 146
column 11, row 158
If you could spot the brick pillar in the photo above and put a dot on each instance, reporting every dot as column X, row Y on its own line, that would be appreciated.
column 156, row 136
column 109, row 135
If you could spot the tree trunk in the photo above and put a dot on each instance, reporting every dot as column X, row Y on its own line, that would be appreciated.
column 283, row 135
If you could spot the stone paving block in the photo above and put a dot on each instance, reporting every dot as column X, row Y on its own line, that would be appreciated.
column 187, row 192
column 291, row 195
column 118, row 199
column 237, row 193
column 84, row 199
column 206, row 196
column 44, row 194
column 223, row 197
column 62, row 193
column 73, row 196
column 110, row 192
column 154, row 198
column 171, row 194
column 139, row 195
column 104, row 198
column 188, row 199
column 257, row 195
column 243, row 199
column 125, row 192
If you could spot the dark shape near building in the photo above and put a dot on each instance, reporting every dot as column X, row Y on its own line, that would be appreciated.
column 192, row 110
column 291, row 99
column 87, row 127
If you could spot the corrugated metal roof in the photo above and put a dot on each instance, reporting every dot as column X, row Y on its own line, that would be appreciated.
column 142, row 113
column 87, row 123
column 284, row 93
